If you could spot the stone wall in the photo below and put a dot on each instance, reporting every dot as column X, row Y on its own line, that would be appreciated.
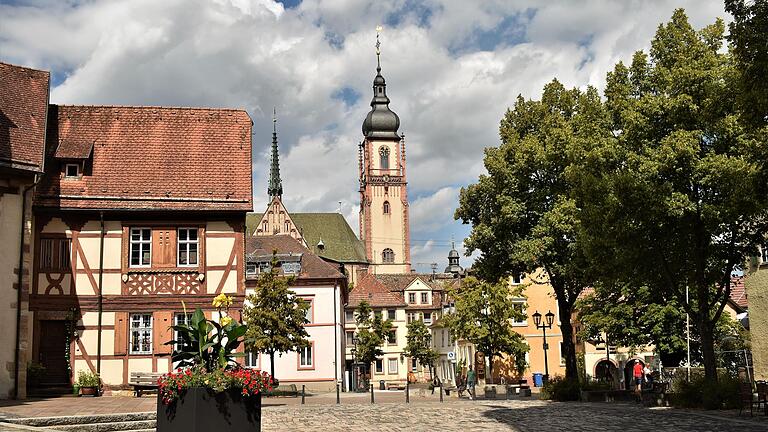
column 757, row 288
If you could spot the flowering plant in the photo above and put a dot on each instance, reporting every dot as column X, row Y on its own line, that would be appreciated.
column 248, row 382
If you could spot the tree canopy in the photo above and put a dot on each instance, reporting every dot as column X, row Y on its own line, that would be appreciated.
column 372, row 332
column 419, row 344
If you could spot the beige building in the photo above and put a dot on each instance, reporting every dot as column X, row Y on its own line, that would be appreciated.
column 757, row 286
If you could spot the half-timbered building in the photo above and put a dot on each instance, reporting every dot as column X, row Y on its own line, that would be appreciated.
column 140, row 214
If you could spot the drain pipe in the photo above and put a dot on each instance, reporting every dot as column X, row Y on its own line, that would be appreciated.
column 101, row 295
column 19, row 281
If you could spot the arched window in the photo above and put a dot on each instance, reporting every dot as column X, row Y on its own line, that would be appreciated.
column 384, row 155
column 264, row 226
column 287, row 227
column 386, row 207
column 388, row 255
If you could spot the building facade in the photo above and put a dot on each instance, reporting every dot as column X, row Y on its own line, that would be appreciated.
column 320, row 365
column 140, row 209
column 756, row 285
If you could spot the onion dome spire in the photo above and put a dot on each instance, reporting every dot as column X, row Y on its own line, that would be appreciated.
column 381, row 122
column 275, row 188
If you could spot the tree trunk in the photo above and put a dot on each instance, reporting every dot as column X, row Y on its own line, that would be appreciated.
column 569, row 347
column 490, row 369
column 708, row 349
column 272, row 364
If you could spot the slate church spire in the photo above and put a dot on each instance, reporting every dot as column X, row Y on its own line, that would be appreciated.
column 275, row 188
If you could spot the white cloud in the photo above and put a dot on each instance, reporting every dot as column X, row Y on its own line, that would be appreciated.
column 452, row 69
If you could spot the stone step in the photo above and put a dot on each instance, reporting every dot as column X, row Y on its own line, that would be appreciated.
column 83, row 419
column 108, row 427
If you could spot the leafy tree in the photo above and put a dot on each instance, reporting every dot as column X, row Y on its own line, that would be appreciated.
column 750, row 51
column 371, row 334
column 679, row 201
column 483, row 314
column 275, row 316
column 419, row 344
column 523, row 215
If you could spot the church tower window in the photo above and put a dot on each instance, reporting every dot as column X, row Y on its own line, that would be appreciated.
column 384, row 157
column 386, row 207
column 388, row 255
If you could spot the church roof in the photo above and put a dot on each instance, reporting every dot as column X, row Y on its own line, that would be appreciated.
column 312, row 267
column 340, row 242
column 381, row 122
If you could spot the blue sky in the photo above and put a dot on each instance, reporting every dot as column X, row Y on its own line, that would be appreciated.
column 452, row 69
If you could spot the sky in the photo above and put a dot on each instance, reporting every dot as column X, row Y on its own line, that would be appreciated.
column 452, row 67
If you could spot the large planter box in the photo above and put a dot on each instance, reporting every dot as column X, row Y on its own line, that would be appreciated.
column 202, row 410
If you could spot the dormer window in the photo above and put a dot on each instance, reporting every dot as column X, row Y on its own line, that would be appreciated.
column 72, row 170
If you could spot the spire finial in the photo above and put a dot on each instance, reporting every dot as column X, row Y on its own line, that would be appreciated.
column 275, row 188
column 378, row 48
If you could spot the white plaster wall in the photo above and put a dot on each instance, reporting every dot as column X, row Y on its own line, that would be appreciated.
column 10, row 228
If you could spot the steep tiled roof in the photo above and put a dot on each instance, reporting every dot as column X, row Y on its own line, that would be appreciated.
column 23, row 106
column 340, row 242
column 370, row 289
column 312, row 267
column 738, row 292
column 399, row 282
column 150, row 158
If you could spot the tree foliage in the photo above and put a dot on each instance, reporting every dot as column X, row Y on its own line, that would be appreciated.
column 523, row 213
column 419, row 344
column 747, row 35
column 372, row 332
column 482, row 316
column 679, row 199
column 275, row 316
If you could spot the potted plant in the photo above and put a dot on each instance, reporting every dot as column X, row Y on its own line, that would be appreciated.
column 209, row 390
column 35, row 373
column 89, row 383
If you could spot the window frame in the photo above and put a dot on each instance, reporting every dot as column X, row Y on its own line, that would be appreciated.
column 78, row 172
column 393, row 331
column 58, row 262
column 522, row 303
column 187, row 243
column 349, row 336
column 764, row 254
column 311, row 310
column 142, row 243
column 378, row 366
column 300, row 354
column 131, row 329
column 386, row 208
column 388, row 256
column 176, row 316
column 411, row 298
column 384, row 157
column 392, row 361
column 349, row 316
column 424, row 298
column 248, row 358
column 392, row 314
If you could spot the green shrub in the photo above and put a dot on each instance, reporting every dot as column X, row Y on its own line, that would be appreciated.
column 700, row 393
column 561, row 389
column 87, row 379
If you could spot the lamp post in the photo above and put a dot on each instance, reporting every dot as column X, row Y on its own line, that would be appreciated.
column 550, row 318
column 355, row 383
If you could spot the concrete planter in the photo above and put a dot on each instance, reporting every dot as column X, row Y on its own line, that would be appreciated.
column 200, row 409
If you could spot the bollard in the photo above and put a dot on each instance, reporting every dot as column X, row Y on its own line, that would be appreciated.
column 407, row 392
column 303, row 393
column 441, row 393
column 372, row 393
column 338, row 399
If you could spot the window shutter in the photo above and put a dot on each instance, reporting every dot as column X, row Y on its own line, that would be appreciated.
column 121, row 333
column 161, row 323
column 163, row 247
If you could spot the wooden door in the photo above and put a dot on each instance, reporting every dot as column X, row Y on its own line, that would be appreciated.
column 163, row 247
column 53, row 352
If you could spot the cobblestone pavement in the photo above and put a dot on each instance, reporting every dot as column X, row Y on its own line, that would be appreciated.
column 520, row 416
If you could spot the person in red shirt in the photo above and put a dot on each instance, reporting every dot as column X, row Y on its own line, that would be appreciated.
column 637, row 373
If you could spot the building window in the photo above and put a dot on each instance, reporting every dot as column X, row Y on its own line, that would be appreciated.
column 427, row 318
column 764, row 254
column 414, row 365
column 287, row 226
column 411, row 298
column 291, row 268
column 141, row 247
column 141, row 333
column 388, row 255
column 392, row 337
column 54, row 255
column 384, row 157
column 519, row 306
column 252, row 360
column 424, row 298
column 411, row 316
column 311, row 310
column 305, row 357
column 386, row 207
column 251, row 268
column 517, row 279
column 349, row 316
column 379, row 366
column 392, row 366
column 350, row 338
column 72, row 170
column 187, row 245
column 391, row 314
column 181, row 319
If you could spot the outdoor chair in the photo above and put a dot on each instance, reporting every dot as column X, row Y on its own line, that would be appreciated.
column 748, row 398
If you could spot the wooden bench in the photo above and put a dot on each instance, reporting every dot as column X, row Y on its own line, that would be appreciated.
column 144, row 381
column 399, row 385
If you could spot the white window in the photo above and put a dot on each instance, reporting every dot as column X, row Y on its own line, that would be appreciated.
column 392, row 366
column 349, row 316
column 424, row 298
column 141, row 333
column 391, row 314
column 764, row 254
column 517, row 279
column 379, row 366
column 252, row 360
column 311, row 310
column 392, row 337
column 350, row 339
column 519, row 306
column 411, row 316
column 291, row 268
column 414, row 365
column 427, row 318
column 287, row 226
column 411, row 298
column 72, row 170
column 187, row 246
column 251, row 268
column 141, row 247
column 388, row 255
column 305, row 356
column 180, row 319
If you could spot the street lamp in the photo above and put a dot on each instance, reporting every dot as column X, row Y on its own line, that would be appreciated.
column 550, row 318
column 355, row 369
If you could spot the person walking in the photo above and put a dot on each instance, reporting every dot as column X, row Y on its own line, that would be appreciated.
column 637, row 373
column 471, row 381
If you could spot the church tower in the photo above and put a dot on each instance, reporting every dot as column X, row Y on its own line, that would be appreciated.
column 384, row 226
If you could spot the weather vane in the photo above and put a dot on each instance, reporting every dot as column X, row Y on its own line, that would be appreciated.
column 378, row 45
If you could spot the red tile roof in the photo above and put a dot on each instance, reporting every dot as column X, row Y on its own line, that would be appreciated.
column 23, row 107
column 149, row 158
column 372, row 290
column 312, row 266
column 738, row 292
column 399, row 282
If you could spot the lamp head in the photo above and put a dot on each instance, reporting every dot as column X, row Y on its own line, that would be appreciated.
column 537, row 318
column 550, row 318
